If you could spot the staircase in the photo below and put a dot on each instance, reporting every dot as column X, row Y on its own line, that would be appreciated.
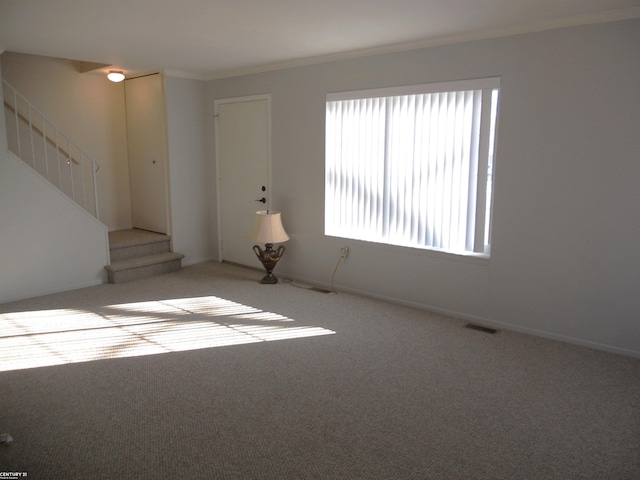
column 138, row 254
column 36, row 140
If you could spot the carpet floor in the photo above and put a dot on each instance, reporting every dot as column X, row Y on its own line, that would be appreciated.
column 206, row 373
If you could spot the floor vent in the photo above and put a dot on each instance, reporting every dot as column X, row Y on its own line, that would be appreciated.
column 480, row 328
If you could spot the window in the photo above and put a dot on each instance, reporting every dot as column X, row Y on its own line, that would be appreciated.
column 412, row 166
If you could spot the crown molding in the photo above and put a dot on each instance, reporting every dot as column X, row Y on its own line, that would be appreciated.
column 520, row 29
column 184, row 74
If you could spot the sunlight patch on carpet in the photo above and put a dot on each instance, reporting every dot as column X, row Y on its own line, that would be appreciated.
column 56, row 337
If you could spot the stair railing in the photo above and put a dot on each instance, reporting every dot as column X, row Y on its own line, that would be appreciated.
column 36, row 140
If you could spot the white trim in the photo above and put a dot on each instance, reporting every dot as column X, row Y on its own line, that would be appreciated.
column 455, row 315
column 247, row 98
column 167, row 166
column 184, row 74
column 436, row 87
column 609, row 16
column 61, row 289
column 349, row 163
column 187, row 262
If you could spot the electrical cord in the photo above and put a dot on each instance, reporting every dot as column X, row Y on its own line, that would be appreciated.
column 333, row 290
column 343, row 254
column 294, row 284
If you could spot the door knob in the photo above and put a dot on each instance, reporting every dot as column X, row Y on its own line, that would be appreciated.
column 262, row 200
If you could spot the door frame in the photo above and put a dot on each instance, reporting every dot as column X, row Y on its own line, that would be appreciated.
column 216, row 104
column 165, row 144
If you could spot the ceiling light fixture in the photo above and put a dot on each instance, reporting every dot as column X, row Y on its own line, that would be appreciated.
column 115, row 76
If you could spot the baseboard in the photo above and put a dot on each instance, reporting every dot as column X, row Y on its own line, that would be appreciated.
column 60, row 289
column 476, row 319
column 564, row 338
column 189, row 261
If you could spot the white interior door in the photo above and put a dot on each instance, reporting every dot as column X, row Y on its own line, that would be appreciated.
column 243, row 143
column 147, row 147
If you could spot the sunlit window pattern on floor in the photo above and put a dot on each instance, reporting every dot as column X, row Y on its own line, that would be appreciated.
column 55, row 337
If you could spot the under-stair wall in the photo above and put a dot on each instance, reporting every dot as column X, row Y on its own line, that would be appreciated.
column 48, row 243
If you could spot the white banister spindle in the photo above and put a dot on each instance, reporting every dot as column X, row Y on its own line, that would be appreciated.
column 33, row 150
column 84, row 196
column 44, row 146
column 58, row 158
column 70, row 163
column 94, row 170
column 15, row 114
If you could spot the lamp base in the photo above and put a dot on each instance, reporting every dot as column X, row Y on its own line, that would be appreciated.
column 269, row 279
column 269, row 258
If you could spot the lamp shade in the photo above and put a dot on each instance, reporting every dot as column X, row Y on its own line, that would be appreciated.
column 267, row 228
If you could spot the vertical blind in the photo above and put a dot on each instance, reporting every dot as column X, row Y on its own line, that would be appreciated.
column 412, row 168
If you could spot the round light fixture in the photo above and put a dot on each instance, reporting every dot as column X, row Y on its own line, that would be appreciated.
column 115, row 76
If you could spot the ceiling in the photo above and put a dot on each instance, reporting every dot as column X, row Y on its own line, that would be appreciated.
column 215, row 38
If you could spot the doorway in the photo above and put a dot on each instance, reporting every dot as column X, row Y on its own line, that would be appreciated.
column 147, row 148
column 243, row 152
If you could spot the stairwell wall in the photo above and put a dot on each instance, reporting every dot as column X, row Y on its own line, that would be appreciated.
column 91, row 110
column 88, row 108
column 37, row 254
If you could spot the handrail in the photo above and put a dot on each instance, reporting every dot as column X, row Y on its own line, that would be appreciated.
column 24, row 132
column 43, row 134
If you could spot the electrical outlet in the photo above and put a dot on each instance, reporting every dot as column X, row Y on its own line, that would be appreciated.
column 344, row 251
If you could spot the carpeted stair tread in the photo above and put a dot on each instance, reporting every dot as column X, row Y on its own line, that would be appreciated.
column 138, row 262
column 132, row 237
column 138, row 254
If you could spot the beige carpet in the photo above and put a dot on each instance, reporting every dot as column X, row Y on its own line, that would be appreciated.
column 205, row 373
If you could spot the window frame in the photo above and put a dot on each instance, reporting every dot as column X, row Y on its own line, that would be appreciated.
column 483, row 186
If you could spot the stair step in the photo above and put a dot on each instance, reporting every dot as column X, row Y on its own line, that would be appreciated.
column 134, row 236
column 138, row 254
column 135, row 268
column 126, row 244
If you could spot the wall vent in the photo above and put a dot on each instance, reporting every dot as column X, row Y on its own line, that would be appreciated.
column 480, row 328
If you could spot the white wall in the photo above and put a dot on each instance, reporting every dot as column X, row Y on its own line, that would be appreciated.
column 88, row 108
column 565, row 261
column 3, row 126
column 37, row 254
column 190, row 181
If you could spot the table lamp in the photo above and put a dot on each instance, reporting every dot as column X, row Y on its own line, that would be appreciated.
column 267, row 229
